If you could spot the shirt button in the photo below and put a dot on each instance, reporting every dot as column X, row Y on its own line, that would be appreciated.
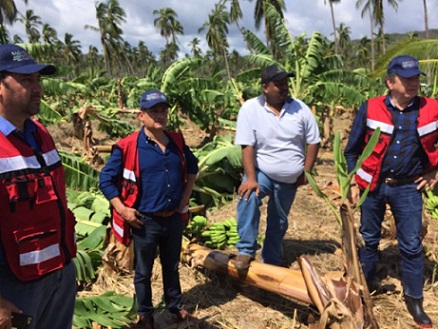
column 168, row 185
column 395, row 157
column 398, row 142
column 400, row 127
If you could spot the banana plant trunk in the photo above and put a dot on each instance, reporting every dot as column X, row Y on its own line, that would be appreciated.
column 353, row 267
column 337, row 298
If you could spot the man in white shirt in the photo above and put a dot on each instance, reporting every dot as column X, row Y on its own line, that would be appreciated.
column 280, row 140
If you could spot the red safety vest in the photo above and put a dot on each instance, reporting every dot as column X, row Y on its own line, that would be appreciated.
column 36, row 227
column 379, row 116
column 131, row 178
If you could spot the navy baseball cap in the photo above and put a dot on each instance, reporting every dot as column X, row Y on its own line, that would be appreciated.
column 15, row 59
column 404, row 66
column 272, row 73
column 151, row 98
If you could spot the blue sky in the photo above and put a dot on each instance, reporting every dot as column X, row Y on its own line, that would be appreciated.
column 302, row 16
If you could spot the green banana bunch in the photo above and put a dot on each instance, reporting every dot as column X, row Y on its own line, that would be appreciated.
column 432, row 204
column 220, row 235
column 196, row 226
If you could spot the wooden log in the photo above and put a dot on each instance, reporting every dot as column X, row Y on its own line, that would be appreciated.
column 272, row 278
column 103, row 148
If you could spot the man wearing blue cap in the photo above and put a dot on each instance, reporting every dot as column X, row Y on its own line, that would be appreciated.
column 148, row 180
column 403, row 162
column 37, row 238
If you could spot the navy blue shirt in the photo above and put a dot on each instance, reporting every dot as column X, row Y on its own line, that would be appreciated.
column 160, row 174
column 405, row 156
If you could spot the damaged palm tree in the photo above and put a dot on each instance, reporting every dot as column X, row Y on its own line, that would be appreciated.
column 342, row 298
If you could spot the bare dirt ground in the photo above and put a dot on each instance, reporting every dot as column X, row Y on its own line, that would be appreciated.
column 218, row 301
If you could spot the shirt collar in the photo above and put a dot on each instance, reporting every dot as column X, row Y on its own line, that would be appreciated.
column 389, row 102
column 6, row 128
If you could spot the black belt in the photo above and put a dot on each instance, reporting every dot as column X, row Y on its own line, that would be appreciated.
column 164, row 213
column 399, row 181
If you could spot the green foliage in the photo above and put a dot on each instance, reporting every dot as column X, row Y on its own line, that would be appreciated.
column 109, row 309
column 92, row 214
column 342, row 175
column 78, row 174
column 220, row 168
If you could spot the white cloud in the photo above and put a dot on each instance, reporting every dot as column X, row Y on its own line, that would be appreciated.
column 301, row 17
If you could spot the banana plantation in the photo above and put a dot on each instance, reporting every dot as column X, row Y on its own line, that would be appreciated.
column 207, row 91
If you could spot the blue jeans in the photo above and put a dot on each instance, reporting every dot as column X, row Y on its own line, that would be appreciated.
column 164, row 234
column 49, row 300
column 281, row 197
column 406, row 206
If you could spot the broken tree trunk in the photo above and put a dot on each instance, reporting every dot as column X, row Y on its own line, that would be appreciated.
column 268, row 277
column 336, row 298
column 353, row 267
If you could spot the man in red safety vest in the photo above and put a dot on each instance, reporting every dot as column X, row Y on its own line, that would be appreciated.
column 37, row 237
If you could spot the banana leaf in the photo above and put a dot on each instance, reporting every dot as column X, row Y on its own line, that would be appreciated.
column 109, row 309
column 78, row 174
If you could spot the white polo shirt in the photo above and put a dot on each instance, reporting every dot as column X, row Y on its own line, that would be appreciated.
column 279, row 141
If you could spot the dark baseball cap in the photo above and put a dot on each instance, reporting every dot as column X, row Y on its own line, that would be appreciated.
column 404, row 66
column 151, row 98
column 15, row 59
column 272, row 73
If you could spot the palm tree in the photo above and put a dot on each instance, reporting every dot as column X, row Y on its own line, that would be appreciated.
column 426, row 19
column 70, row 49
column 260, row 14
column 110, row 16
column 381, row 40
column 379, row 16
column 217, row 31
column 344, row 39
column 236, row 13
column 168, row 26
column 362, row 52
column 333, row 23
column 8, row 13
column 49, row 34
column 31, row 22
column 194, row 47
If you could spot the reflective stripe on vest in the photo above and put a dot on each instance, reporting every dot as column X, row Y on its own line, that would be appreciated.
column 39, row 256
column 129, row 175
column 384, row 127
column 427, row 129
column 21, row 162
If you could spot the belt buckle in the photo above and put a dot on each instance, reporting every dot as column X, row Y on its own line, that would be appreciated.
column 390, row 181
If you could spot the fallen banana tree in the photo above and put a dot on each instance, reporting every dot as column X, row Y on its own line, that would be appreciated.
column 337, row 296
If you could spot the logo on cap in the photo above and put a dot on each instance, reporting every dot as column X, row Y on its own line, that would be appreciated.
column 155, row 96
column 20, row 55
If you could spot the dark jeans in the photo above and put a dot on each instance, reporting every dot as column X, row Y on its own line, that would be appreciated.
column 166, row 235
column 49, row 300
column 406, row 206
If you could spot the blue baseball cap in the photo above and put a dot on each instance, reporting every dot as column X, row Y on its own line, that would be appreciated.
column 15, row 59
column 151, row 98
column 404, row 66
